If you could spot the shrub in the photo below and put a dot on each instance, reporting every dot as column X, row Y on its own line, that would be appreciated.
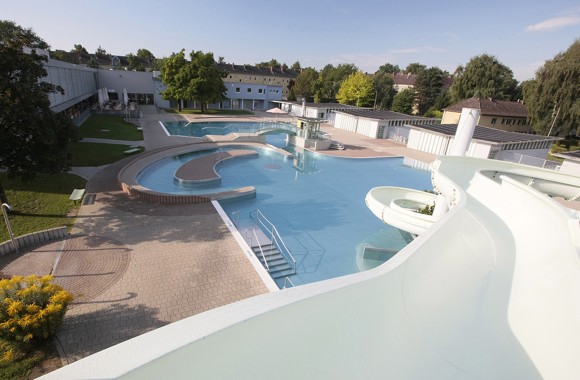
column 32, row 308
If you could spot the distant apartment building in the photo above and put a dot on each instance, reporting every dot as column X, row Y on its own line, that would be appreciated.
column 255, row 87
column 499, row 114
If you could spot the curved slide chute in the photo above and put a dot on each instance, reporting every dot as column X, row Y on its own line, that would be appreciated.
column 490, row 291
column 400, row 207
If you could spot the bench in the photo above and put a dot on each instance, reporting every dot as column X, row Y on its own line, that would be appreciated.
column 77, row 195
column 132, row 150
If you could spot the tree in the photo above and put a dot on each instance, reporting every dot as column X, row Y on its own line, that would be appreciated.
column 34, row 139
column 296, row 66
column 304, row 83
column 389, row 68
column 271, row 63
column 330, row 79
column 403, row 101
column 553, row 97
column 206, row 84
column 383, row 85
column 484, row 77
column 93, row 62
column 135, row 63
column 173, row 78
column 101, row 53
column 198, row 79
column 146, row 56
column 357, row 90
column 414, row 68
column 79, row 53
column 428, row 87
column 60, row 55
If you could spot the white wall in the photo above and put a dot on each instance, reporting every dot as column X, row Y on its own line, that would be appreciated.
column 136, row 82
column 361, row 126
column 428, row 142
column 78, row 82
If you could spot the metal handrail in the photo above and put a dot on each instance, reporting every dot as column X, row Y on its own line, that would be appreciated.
column 236, row 213
column 275, row 236
column 261, row 250
column 286, row 281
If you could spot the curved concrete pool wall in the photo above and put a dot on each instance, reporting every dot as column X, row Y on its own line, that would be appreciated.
column 481, row 294
column 127, row 177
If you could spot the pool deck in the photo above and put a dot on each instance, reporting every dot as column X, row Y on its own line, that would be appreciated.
column 135, row 266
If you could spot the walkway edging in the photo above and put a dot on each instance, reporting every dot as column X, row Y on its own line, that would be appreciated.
column 33, row 239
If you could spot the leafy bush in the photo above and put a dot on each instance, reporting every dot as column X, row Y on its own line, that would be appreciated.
column 32, row 308
column 427, row 210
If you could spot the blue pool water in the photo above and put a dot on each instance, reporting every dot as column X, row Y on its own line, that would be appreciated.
column 315, row 201
column 220, row 128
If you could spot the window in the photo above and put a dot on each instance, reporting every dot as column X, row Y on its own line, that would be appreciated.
column 260, row 91
column 237, row 89
column 493, row 120
column 249, row 90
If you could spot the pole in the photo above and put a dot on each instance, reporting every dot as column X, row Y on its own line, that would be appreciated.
column 554, row 121
column 4, row 207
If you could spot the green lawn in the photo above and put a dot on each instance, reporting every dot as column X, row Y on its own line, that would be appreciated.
column 96, row 154
column 209, row 112
column 39, row 204
column 109, row 127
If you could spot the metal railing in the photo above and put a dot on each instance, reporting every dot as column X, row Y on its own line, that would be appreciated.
column 286, row 282
column 235, row 214
column 259, row 246
column 263, row 223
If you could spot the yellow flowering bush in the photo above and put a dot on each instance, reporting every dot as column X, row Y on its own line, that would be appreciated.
column 32, row 308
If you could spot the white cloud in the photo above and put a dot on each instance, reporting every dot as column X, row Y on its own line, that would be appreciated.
column 554, row 23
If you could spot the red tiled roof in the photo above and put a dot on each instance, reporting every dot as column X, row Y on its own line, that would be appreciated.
column 491, row 107
column 404, row 79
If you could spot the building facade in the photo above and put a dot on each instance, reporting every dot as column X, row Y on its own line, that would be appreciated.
column 498, row 114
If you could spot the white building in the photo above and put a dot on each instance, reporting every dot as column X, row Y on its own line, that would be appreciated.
column 378, row 124
column 486, row 143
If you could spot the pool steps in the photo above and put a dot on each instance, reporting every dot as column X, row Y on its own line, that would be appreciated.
column 278, row 266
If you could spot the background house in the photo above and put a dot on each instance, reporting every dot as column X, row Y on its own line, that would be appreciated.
column 498, row 114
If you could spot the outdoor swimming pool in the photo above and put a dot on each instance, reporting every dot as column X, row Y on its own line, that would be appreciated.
column 220, row 128
column 315, row 201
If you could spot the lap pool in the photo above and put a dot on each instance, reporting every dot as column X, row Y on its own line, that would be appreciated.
column 315, row 201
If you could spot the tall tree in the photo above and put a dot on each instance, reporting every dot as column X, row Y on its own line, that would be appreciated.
column 553, row 97
column 296, row 66
column 304, row 83
column 389, row 68
column 484, row 77
column 146, row 56
column 33, row 138
column 383, row 85
column 101, row 53
column 414, row 68
column 135, row 63
column 403, row 101
column 79, row 53
column 174, row 78
column 357, row 90
column 428, row 87
column 330, row 79
column 206, row 84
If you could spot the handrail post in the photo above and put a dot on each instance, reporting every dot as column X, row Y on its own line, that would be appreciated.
column 6, row 206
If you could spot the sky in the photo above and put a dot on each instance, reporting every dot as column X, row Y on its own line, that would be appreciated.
column 368, row 33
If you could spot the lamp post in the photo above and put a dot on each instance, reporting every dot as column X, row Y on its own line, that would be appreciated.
column 6, row 206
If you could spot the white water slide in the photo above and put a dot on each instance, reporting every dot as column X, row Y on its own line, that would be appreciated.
column 490, row 291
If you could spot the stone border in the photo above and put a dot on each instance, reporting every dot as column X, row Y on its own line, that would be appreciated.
column 34, row 239
column 127, row 177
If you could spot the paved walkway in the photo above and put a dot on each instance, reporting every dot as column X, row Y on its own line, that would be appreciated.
column 135, row 266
